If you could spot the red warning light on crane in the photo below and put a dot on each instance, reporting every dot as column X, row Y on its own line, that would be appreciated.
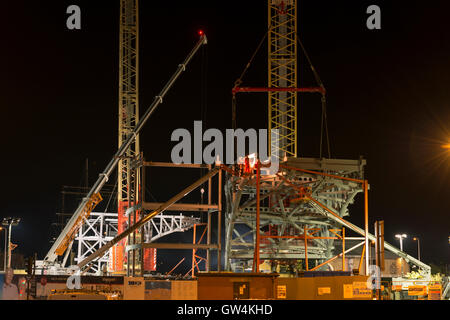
column 200, row 33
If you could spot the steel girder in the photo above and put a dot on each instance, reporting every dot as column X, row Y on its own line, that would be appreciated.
column 162, row 225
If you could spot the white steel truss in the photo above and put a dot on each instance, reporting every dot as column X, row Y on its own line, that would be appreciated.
column 162, row 225
column 96, row 231
column 101, row 227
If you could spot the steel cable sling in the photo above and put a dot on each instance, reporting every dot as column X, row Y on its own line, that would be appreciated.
column 323, row 100
column 324, row 120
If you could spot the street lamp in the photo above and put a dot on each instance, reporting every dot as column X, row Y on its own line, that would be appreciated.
column 418, row 247
column 401, row 237
column 4, row 252
column 9, row 222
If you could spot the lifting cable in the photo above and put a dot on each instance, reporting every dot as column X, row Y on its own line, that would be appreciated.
column 238, row 82
column 324, row 121
column 110, row 197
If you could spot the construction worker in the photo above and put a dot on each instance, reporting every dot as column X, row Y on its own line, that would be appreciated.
column 10, row 291
column 247, row 169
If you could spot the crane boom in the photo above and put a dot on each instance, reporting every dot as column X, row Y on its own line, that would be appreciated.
column 75, row 221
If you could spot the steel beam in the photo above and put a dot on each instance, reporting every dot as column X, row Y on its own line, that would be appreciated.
column 173, row 246
column 181, row 206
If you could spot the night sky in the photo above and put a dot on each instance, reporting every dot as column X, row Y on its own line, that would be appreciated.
column 388, row 100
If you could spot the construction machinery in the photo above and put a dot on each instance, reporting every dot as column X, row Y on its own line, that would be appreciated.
column 128, row 118
column 93, row 197
column 295, row 214
column 91, row 230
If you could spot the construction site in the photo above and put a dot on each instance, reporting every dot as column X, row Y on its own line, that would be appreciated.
column 268, row 224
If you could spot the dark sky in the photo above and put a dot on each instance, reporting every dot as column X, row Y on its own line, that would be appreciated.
column 388, row 100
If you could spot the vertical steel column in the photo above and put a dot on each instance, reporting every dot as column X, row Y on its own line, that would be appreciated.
column 208, row 236
column 128, row 251
column 141, row 199
column 305, row 232
column 343, row 249
column 366, row 223
column 9, row 245
column 219, row 224
column 257, row 229
column 194, row 241
column 134, row 242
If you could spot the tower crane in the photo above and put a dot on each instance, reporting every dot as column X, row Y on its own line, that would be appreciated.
column 128, row 115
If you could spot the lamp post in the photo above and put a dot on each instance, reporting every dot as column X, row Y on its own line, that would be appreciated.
column 9, row 222
column 401, row 237
column 4, row 251
column 418, row 247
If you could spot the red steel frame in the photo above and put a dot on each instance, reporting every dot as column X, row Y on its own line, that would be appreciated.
column 265, row 89
column 196, row 259
column 365, row 185
column 258, row 236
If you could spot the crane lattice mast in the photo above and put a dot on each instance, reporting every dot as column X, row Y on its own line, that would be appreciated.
column 128, row 111
column 282, row 73
column 128, row 89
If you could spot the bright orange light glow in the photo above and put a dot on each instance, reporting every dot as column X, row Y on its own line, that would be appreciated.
column 446, row 146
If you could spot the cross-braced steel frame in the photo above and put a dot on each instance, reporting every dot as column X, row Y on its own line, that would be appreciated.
column 286, row 209
column 97, row 230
